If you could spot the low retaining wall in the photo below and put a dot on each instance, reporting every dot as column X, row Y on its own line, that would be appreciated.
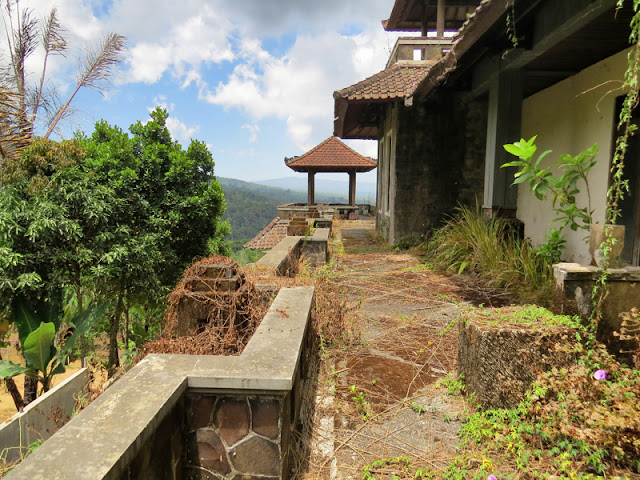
column 284, row 257
column 42, row 417
column 499, row 362
column 192, row 416
column 575, row 283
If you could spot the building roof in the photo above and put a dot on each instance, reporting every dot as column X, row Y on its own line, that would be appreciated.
column 391, row 84
column 412, row 16
column 270, row 235
column 332, row 155
column 559, row 42
column 357, row 107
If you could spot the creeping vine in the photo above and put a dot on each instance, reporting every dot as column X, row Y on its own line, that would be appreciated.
column 626, row 128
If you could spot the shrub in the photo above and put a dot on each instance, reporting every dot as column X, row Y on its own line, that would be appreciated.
column 490, row 247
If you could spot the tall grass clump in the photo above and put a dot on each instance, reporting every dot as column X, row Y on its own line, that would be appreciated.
column 471, row 242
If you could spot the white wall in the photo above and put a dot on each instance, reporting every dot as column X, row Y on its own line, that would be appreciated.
column 569, row 117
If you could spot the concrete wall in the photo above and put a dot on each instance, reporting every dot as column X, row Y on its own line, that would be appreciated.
column 153, row 422
column 438, row 164
column 42, row 417
column 569, row 117
column 283, row 258
column 576, row 282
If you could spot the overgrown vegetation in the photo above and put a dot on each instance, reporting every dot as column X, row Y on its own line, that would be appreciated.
column 570, row 425
column 492, row 249
column 110, row 219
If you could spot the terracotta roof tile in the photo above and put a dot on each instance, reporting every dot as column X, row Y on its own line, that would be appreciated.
column 393, row 83
column 270, row 235
column 331, row 155
column 484, row 4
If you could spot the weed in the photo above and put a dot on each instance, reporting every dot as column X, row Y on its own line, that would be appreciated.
column 399, row 465
column 453, row 384
column 360, row 400
column 416, row 407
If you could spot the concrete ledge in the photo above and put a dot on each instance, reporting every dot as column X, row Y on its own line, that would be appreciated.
column 575, row 282
column 282, row 258
column 106, row 437
column 42, row 417
column 576, row 271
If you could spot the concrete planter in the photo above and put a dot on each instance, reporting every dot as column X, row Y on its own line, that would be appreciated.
column 599, row 235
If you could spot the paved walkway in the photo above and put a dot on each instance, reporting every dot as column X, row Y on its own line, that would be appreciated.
column 380, row 400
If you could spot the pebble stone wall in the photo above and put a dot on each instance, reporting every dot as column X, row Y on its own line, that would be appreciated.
column 235, row 437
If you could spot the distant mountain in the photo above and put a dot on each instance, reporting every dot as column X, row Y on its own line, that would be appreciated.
column 250, row 207
column 365, row 191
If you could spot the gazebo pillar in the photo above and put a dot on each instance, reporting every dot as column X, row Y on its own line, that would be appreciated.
column 311, row 188
column 352, row 188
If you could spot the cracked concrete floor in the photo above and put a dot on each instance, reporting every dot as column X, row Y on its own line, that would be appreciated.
column 380, row 399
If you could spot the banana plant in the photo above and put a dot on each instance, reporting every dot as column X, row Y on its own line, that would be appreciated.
column 37, row 331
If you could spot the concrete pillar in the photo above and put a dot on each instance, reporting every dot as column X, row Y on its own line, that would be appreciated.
column 503, row 126
column 352, row 188
column 440, row 19
column 311, row 189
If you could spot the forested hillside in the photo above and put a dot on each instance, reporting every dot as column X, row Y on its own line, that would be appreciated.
column 250, row 207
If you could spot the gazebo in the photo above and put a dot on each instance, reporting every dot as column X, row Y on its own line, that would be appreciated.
column 332, row 155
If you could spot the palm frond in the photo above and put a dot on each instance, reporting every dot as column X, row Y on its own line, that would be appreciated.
column 100, row 65
column 54, row 42
column 14, row 136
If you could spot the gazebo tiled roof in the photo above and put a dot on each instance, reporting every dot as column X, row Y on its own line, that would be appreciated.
column 332, row 155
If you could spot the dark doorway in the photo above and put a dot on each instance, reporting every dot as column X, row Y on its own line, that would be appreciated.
column 630, row 205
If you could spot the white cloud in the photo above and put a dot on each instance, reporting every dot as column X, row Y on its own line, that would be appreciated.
column 298, row 86
column 179, row 130
column 253, row 131
column 192, row 40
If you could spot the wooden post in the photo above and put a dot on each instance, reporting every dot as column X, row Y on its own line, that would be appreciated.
column 440, row 19
column 503, row 126
column 352, row 188
column 311, row 188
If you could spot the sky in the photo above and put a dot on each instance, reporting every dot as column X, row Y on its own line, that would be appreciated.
column 253, row 79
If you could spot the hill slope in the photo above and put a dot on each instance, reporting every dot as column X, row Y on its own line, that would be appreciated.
column 365, row 191
column 250, row 207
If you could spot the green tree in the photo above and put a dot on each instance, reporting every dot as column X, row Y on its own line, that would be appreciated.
column 169, row 211
column 52, row 215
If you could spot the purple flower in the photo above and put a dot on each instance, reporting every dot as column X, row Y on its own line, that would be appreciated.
column 492, row 477
column 600, row 375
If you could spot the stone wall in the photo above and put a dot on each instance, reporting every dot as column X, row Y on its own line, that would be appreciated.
column 500, row 362
column 171, row 416
column 439, row 162
column 236, row 437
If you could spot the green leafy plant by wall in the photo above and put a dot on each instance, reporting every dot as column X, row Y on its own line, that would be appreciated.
column 563, row 189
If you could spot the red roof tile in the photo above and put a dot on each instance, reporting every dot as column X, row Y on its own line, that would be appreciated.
column 332, row 155
column 391, row 84
column 270, row 235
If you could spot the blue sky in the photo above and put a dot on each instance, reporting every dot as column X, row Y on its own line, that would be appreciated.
column 251, row 78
